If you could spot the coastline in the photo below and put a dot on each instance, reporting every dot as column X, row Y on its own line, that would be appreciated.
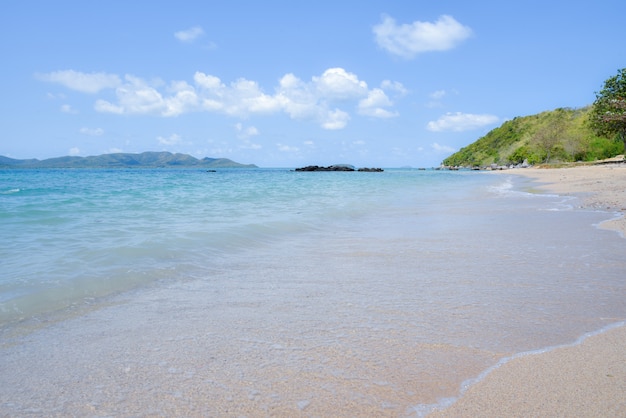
column 328, row 321
column 586, row 378
column 600, row 187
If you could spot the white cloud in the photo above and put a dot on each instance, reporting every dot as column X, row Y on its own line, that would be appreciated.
column 408, row 40
column 74, row 151
column 92, row 131
column 374, row 104
column 182, row 100
column 136, row 96
column 83, row 82
column 107, row 107
column 458, row 122
column 444, row 149
column 246, row 132
column 240, row 98
column 297, row 98
column 247, row 97
column 438, row 95
column 287, row 148
column 335, row 119
column 302, row 100
column 338, row 84
column 395, row 87
column 68, row 109
column 189, row 35
column 322, row 100
column 170, row 140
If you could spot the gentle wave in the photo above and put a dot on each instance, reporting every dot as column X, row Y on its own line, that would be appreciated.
column 83, row 234
column 442, row 404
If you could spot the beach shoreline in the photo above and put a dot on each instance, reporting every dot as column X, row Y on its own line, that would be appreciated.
column 599, row 187
column 586, row 378
column 395, row 309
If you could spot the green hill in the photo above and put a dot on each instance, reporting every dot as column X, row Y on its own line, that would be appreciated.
column 560, row 135
column 145, row 159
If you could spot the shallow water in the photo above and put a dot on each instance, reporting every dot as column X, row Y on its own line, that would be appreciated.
column 271, row 292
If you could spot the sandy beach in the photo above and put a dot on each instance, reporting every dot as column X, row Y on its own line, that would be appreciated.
column 581, row 380
column 601, row 187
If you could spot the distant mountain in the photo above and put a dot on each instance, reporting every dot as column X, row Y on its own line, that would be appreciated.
column 124, row 160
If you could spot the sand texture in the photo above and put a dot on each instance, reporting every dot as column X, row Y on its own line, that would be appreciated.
column 586, row 380
column 582, row 380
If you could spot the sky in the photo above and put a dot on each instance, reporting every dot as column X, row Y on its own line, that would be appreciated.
column 288, row 84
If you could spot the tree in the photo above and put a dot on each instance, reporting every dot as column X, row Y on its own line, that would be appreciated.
column 608, row 115
column 549, row 135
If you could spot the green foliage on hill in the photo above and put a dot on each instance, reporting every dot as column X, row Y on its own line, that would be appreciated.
column 560, row 135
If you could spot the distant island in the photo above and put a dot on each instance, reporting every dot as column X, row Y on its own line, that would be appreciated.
column 124, row 160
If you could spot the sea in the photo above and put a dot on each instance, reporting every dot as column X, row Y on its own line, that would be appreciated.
column 272, row 292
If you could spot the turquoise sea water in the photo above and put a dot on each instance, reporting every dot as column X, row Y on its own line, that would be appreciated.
column 76, row 234
column 273, row 292
column 71, row 235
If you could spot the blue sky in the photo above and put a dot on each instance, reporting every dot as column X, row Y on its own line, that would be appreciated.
column 288, row 84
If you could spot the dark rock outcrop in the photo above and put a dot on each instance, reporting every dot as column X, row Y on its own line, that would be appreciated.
column 337, row 167
column 329, row 168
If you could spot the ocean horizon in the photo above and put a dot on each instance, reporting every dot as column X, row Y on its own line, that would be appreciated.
column 246, row 292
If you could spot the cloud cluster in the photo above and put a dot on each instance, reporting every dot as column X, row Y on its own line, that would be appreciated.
column 459, row 122
column 409, row 40
column 323, row 99
column 83, row 82
column 189, row 35
column 92, row 131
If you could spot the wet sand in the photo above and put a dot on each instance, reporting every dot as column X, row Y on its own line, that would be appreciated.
column 582, row 380
column 586, row 380
column 601, row 187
